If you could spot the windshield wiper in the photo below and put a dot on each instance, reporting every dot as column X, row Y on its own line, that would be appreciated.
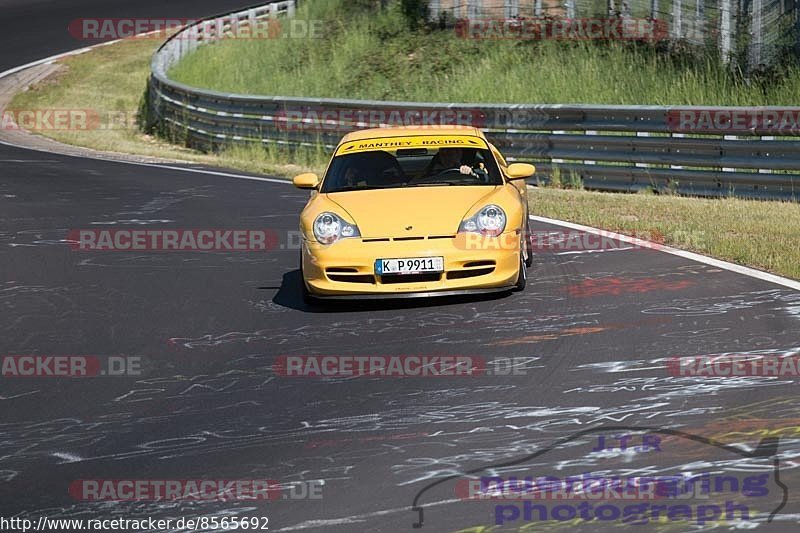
column 363, row 188
column 431, row 184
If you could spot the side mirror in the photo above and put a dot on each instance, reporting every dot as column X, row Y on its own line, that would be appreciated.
column 519, row 171
column 308, row 180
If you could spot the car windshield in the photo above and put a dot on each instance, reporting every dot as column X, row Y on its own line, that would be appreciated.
column 411, row 167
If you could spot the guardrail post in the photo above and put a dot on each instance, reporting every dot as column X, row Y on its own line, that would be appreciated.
column 569, row 7
column 642, row 134
column 766, row 170
column 235, row 26
column 510, row 9
column 589, row 161
column 677, row 30
column 729, row 138
column 625, row 9
column 181, row 51
column 679, row 136
column 699, row 20
column 556, row 159
column 193, row 36
column 756, row 37
column 725, row 30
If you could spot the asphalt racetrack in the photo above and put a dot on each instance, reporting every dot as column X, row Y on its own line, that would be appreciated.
column 589, row 338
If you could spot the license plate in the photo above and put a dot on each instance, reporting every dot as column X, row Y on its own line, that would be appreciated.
column 409, row 265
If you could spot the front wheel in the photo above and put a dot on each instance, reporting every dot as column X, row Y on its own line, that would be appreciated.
column 522, row 278
column 528, row 243
column 308, row 299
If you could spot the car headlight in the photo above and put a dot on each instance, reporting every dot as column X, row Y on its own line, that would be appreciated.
column 489, row 221
column 329, row 228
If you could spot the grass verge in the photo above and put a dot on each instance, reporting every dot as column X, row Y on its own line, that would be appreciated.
column 759, row 234
column 109, row 81
column 359, row 51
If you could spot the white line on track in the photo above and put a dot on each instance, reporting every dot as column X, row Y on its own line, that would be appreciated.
column 51, row 59
column 79, row 51
column 153, row 165
column 739, row 269
column 28, row 161
column 211, row 172
column 62, row 55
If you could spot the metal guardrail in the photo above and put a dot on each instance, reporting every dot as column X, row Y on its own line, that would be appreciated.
column 615, row 148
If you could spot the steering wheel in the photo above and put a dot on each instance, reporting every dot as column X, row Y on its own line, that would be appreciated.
column 447, row 171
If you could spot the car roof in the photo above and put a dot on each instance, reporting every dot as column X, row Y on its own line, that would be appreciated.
column 406, row 131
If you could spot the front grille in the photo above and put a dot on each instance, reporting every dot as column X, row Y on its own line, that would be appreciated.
column 409, row 238
column 461, row 274
column 474, row 264
column 352, row 278
column 426, row 277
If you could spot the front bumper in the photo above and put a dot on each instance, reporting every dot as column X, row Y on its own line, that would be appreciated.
column 347, row 268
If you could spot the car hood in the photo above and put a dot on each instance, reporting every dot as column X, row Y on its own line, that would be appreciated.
column 426, row 211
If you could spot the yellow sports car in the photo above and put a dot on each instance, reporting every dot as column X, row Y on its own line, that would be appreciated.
column 415, row 211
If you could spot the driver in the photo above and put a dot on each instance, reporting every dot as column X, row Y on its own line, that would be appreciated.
column 446, row 159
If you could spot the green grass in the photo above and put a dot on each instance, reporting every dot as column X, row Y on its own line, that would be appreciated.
column 110, row 81
column 759, row 234
column 373, row 56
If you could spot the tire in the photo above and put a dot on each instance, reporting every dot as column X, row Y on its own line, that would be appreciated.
column 528, row 246
column 522, row 277
column 308, row 299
